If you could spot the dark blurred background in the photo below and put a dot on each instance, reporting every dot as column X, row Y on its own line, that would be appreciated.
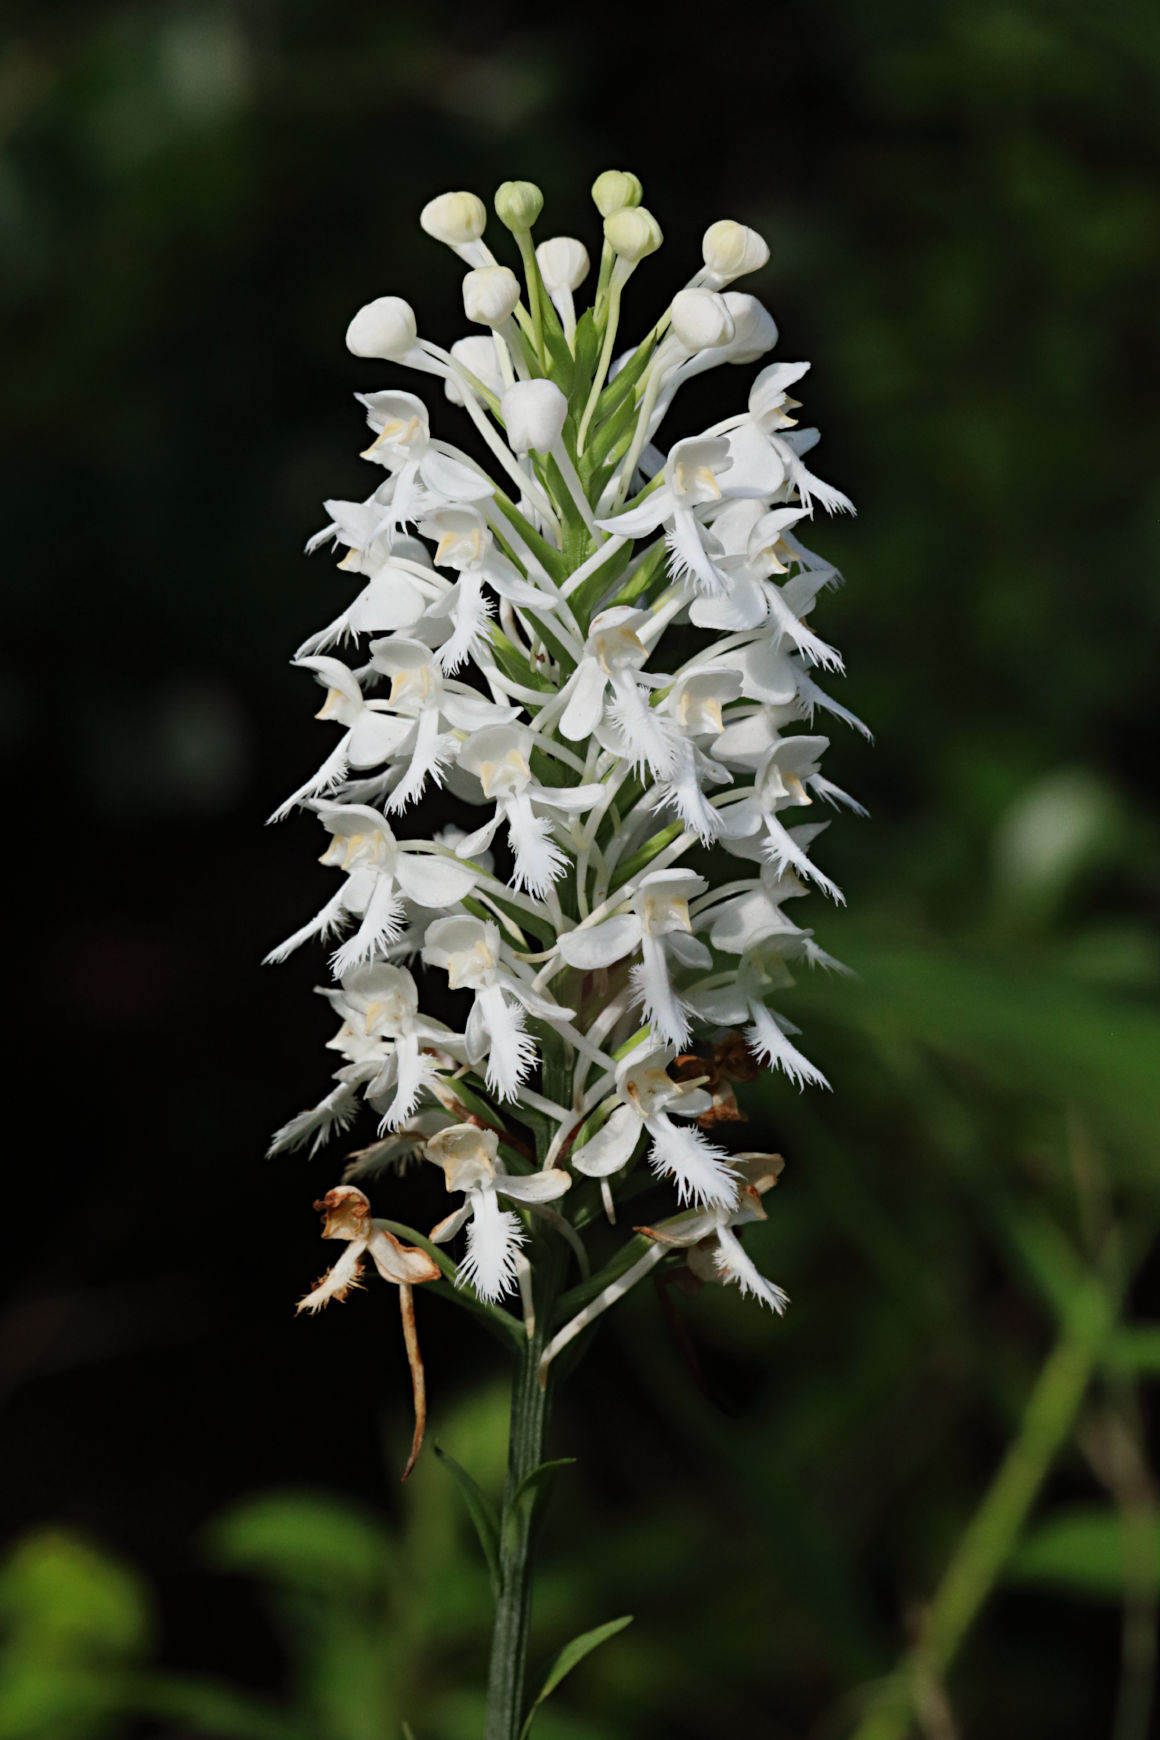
column 200, row 1493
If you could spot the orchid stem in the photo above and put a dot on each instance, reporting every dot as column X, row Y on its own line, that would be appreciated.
column 530, row 1405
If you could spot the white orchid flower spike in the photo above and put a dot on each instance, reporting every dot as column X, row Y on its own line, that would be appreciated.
column 593, row 644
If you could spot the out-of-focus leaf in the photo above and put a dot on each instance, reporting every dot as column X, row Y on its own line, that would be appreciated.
column 304, row 1540
column 571, row 1656
column 1083, row 1552
column 71, row 1602
column 1135, row 1348
column 217, row 1712
column 1016, row 1020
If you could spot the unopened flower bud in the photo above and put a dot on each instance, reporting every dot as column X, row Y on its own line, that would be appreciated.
column 701, row 320
column 616, row 189
column 518, row 204
column 754, row 328
column 454, row 218
column 490, row 295
column 477, row 356
column 563, row 263
column 731, row 249
column 533, row 415
column 385, row 327
column 632, row 233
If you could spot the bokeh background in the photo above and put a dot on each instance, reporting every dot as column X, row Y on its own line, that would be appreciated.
column 200, row 1500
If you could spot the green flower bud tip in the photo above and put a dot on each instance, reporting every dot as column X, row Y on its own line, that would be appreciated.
column 518, row 204
column 632, row 232
column 616, row 189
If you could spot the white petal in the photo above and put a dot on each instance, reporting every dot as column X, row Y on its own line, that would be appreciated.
column 534, row 1186
column 586, row 702
column 432, row 881
column 612, row 1146
column 598, row 945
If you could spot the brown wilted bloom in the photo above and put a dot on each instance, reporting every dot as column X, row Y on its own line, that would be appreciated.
column 346, row 1213
column 731, row 1061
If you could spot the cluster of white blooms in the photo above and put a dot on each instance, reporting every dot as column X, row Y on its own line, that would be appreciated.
column 602, row 651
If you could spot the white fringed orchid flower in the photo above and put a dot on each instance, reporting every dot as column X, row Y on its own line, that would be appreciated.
column 593, row 648
column 470, row 1162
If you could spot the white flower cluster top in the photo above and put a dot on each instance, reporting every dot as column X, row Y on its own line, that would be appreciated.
column 604, row 652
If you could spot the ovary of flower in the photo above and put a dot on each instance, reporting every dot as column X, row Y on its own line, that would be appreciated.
column 649, row 1100
column 424, row 473
column 500, row 758
column 470, row 951
column 423, row 700
column 708, row 1237
column 468, row 1156
column 347, row 1215
column 692, row 478
column 613, row 656
column 659, row 926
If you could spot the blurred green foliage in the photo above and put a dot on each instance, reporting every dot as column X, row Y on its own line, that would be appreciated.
column 961, row 200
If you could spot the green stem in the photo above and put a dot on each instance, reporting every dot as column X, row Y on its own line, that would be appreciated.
column 531, row 1401
column 998, row 1522
column 513, row 1608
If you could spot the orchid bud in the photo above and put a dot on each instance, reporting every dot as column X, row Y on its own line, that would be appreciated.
column 385, row 327
column 518, row 204
column 491, row 295
column 563, row 263
column 730, row 250
column 533, row 414
column 454, row 218
column 477, row 355
column 615, row 190
column 633, row 233
column 755, row 330
column 701, row 320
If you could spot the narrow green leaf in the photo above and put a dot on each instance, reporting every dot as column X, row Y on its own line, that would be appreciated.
column 1135, row 1348
column 650, row 850
column 482, row 1513
column 571, row 1656
column 517, row 1512
column 1084, row 1552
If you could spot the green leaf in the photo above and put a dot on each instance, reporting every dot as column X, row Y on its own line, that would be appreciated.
column 303, row 1540
column 587, row 349
column 483, row 1515
column 517, row 1512
column 650, row 850
column 1135, row 1348
column 1084, row 1552
column 571, row 1656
